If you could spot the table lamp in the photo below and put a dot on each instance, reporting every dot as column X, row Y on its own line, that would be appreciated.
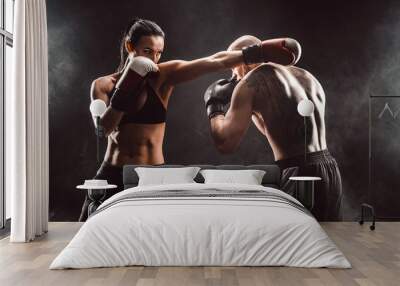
column 97, row 108
column 305, row 108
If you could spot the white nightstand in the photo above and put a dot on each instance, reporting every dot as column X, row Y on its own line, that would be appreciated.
column 304, row 191
column 96, row 194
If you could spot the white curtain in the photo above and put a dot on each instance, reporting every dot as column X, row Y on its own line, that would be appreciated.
column 27, row 148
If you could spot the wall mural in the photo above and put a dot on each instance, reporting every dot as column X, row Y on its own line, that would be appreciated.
column 340, row 65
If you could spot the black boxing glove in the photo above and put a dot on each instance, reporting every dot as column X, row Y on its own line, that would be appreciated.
column 126, row 97
column 218, row 96
column 285, row 51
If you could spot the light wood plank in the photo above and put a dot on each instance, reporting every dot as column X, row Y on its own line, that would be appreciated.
column 375, row 257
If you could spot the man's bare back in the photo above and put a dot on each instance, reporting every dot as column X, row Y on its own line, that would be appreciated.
column 277, row 90
column 269, row 94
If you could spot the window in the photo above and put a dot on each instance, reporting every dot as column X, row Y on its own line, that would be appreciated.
column 6, row 60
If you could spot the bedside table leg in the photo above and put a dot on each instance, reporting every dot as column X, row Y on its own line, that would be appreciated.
column 312, row 196
column 305, row 194
column 92, row 208
column 97, row 197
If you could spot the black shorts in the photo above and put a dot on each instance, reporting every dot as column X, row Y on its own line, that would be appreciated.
column 328, row 192
column 113, row 175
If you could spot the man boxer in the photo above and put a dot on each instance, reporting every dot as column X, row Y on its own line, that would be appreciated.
column 268, row 94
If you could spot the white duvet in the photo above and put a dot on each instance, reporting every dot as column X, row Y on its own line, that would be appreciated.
column 183, row 231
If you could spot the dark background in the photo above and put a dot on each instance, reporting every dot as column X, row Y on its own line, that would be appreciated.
column 350, row 46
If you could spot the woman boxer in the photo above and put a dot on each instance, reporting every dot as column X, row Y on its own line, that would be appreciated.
column 137, row 94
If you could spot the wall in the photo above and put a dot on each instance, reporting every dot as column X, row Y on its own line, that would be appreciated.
column 351, row 48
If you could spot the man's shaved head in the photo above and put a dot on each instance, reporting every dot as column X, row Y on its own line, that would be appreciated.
column 243, row 41
column 238, row 44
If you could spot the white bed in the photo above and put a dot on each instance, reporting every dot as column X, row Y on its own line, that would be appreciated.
column 249, row 225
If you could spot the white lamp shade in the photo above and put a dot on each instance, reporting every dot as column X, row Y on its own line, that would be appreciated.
column 305, row 107
column 97, row 107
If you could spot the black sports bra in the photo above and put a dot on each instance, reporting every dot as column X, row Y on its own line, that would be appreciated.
column 152, row 112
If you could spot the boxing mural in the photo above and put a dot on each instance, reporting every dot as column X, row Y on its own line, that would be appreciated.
column 265, row 88
column 168, row 122
column 137, row 94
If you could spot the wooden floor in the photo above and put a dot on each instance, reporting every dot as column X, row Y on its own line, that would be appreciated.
column 375, row 257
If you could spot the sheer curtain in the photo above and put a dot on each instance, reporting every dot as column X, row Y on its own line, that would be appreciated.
column 27, row 148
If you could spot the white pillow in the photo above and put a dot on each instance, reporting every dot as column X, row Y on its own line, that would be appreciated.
column 248, row 177
column 162, row 176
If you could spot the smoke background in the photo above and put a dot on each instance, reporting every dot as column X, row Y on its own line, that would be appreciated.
column 350, row 46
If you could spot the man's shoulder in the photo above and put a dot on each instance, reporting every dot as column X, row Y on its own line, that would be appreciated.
column 271, row 69
column 258, row 74
column 263, row 69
